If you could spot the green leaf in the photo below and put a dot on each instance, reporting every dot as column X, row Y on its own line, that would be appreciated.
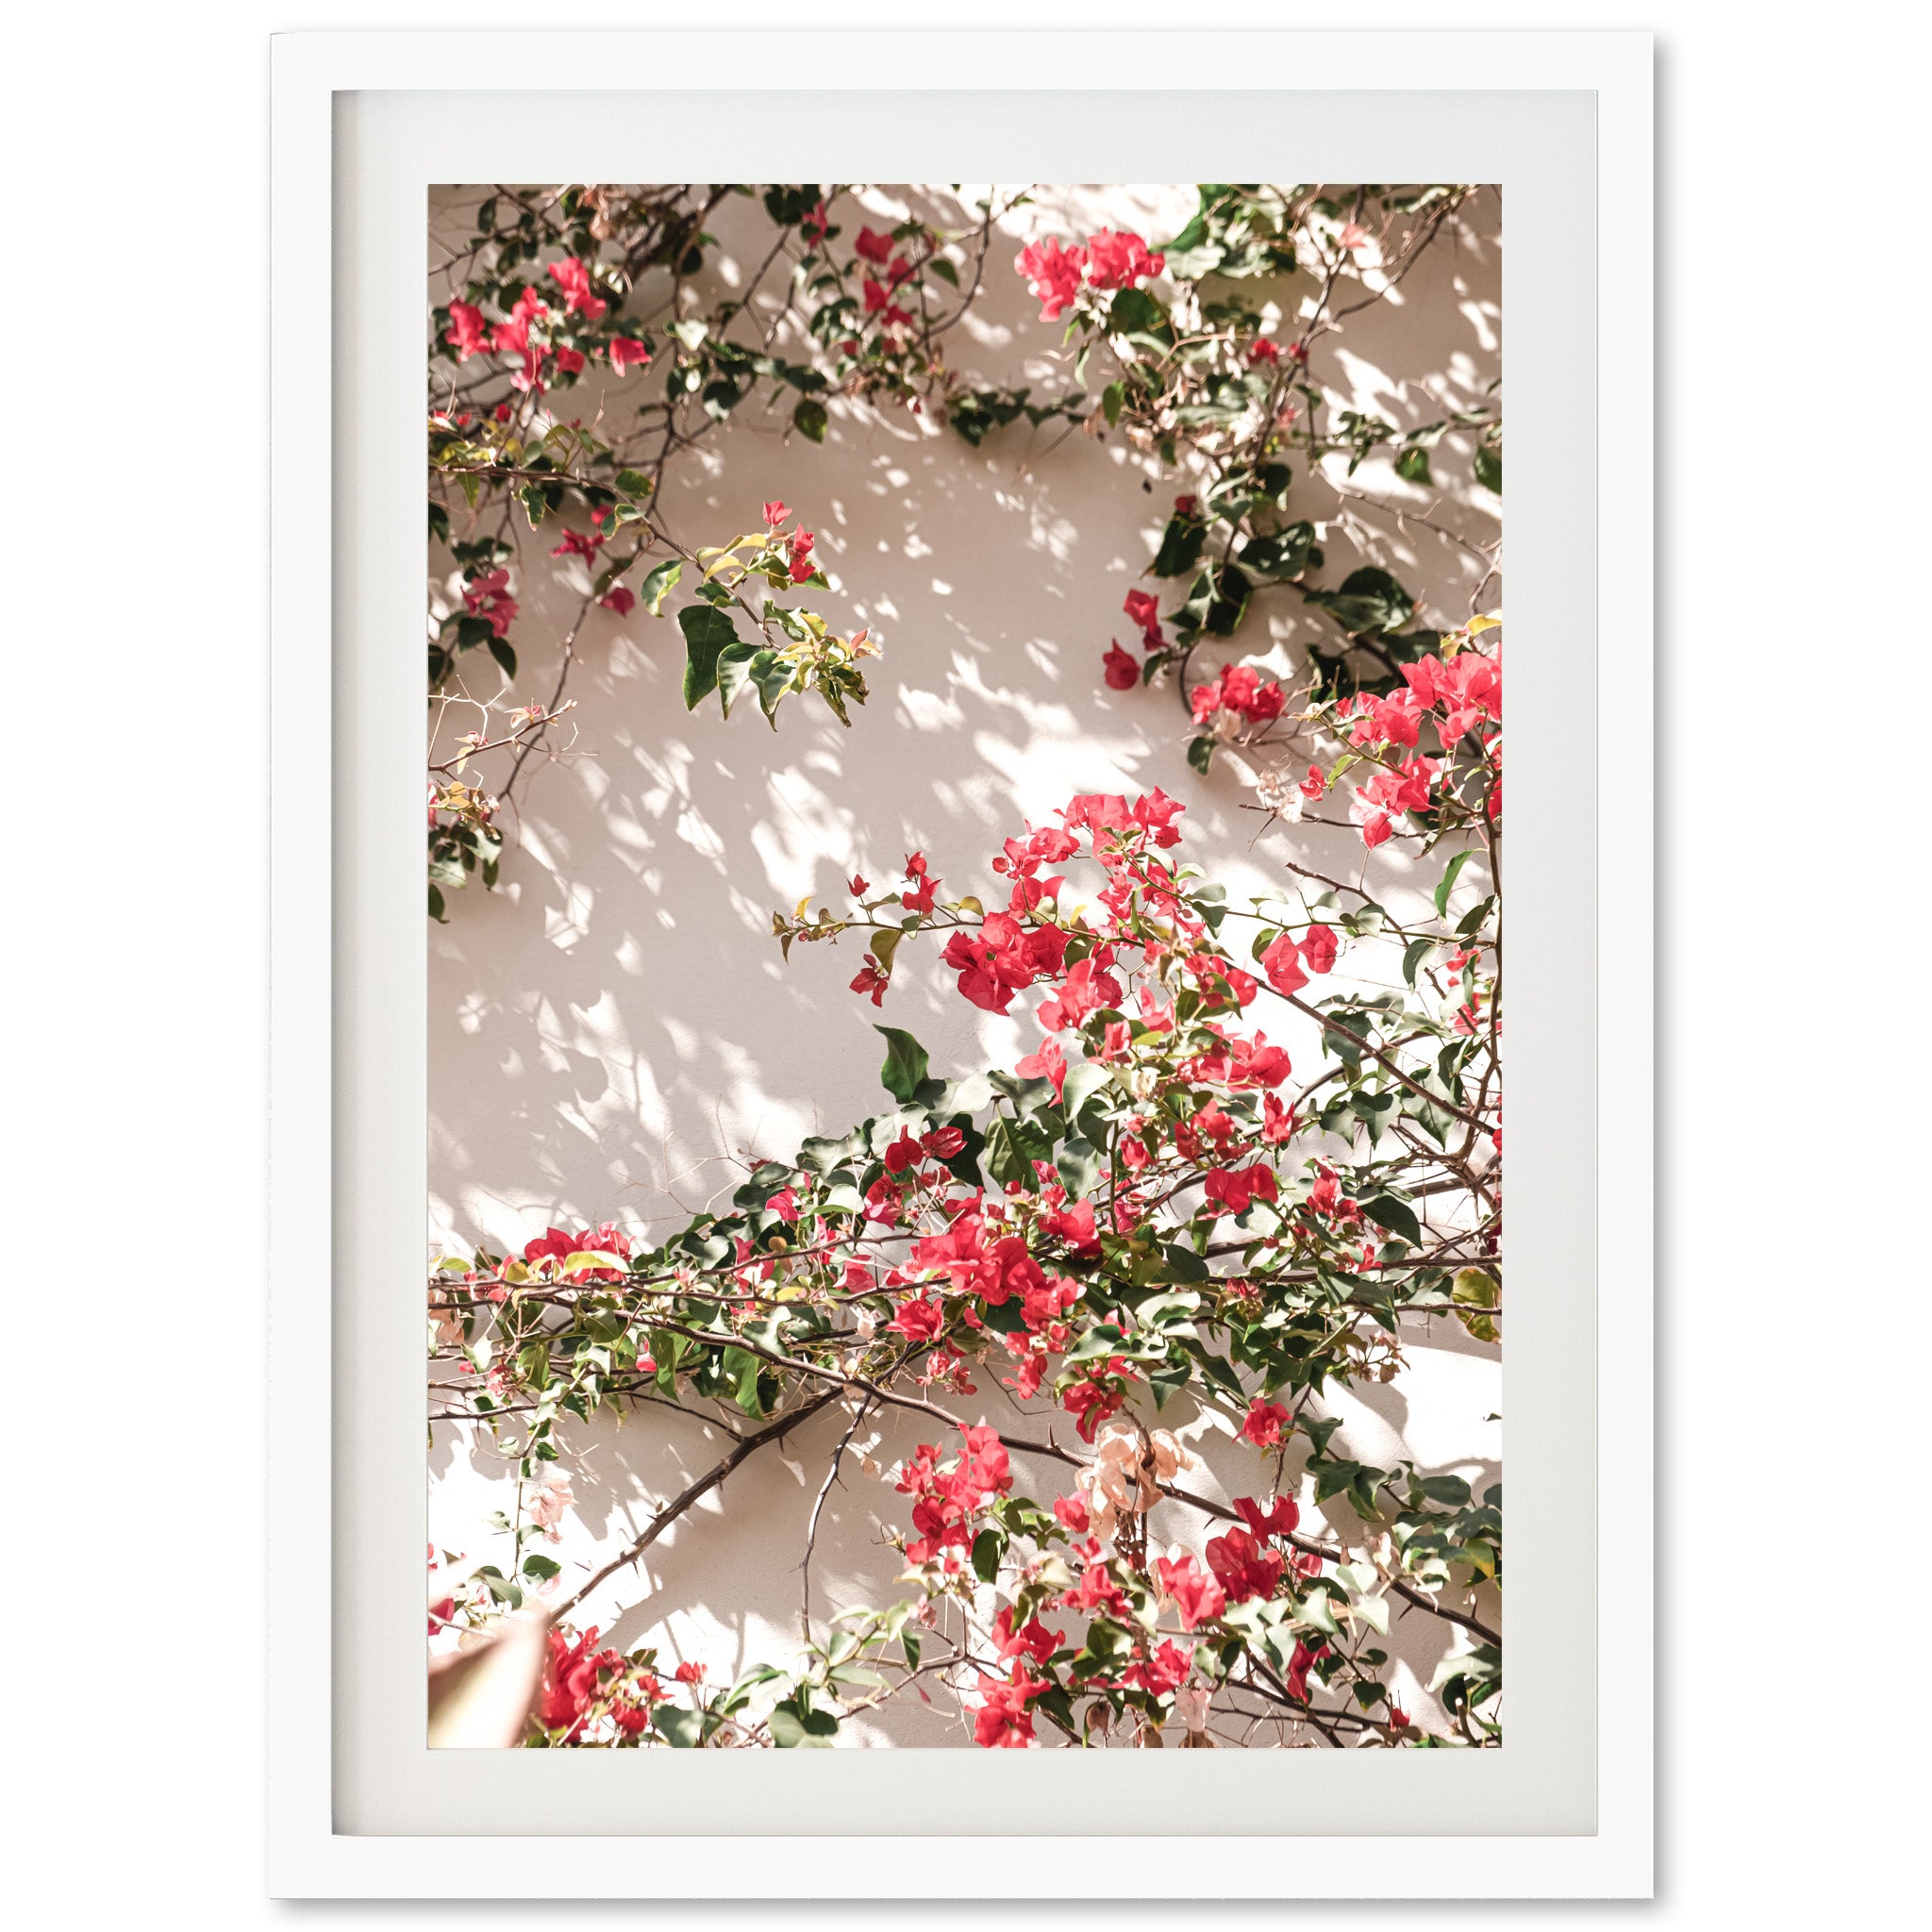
column 1412, row 466
column 500, row 650
column 738, row 665
column 677, row 1727
column 906, row 1064
column 1398, row 1217
column 810, row 418
column 1111, row 397
column 657, row 584
column 632, row 484
column 1446, row 884
column 1181, row 544
column 1489, row 468
column 707, row 633
column 1368, row 600
column 1201, row 754
column 987, row 1547
column 793, row 1727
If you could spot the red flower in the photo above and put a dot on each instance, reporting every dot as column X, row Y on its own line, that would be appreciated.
column 1145, row 609
column 1262, row 350
column 1197, row 1595
column 1236, row 1187
column 1314, row 784
column 1243, row 1568
column 1319, row 948
column 620, row 599
column 1053, row 273
column 874, row 247
column 627, row 353
column 1117, row 262
column 776, row 511
column 1123, row 674
column 1281, row 1517
column 802, row 565
column 1086, row 990
column 860, row 886
column 919, row 1321
column 1032, row 1640
column 1282, row 963
column 579, row 544
column 1003, row 1722
column 868, row 979
column 466, row 331
column 574, row 278
column 1264, row 1424
column 1072, row 1513
column 1049, row 1063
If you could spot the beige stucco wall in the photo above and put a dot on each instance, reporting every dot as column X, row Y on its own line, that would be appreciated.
column 613, row 1032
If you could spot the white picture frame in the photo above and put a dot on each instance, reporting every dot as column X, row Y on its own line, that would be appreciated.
column 322, row 1070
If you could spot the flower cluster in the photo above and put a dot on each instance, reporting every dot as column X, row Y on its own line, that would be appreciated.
column 1056, row 274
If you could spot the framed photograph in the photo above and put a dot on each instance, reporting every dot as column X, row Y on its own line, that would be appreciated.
column 917, row 1167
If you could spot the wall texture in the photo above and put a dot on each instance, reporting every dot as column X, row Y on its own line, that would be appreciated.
column 613, row 1033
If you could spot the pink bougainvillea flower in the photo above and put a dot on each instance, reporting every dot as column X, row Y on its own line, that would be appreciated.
column 1003, row 1722
column 1234, row 1187
column 569, row 361
column 1196, row 1594
column 1123, row 674
column 1144, row 610
column 802, row 565
column 873, row 246
column 1281, row 1517
column 1053, row 273
column 1314, row 784
column 626, row 353
column 918, row 1321
column 620, row 598
column 777, row 512
column 1086, row 990
column 1120, row 261
column 1282, row 963
column 1264, row 1424
column 870, row 979
column 1319, row 947
column 1241, row 1567
column 1049, row 1063
column 574, row 278
column 467, row 332
column 579, row 544
column 1352, row 236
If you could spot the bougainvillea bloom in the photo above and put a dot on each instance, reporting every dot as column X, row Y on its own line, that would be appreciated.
column 1282, row 962
column 1120, row 261
column 467, row 332
column 873, row 246
column 1123, row 674
column 1264, row 1424
column 626, row 353
column 1319, row 947
column 1196, row 1594
column 777, row 512
column 574, row 278
column 1053, row 273
column 620, row 598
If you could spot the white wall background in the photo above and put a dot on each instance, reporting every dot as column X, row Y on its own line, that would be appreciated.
column 613, row 1033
